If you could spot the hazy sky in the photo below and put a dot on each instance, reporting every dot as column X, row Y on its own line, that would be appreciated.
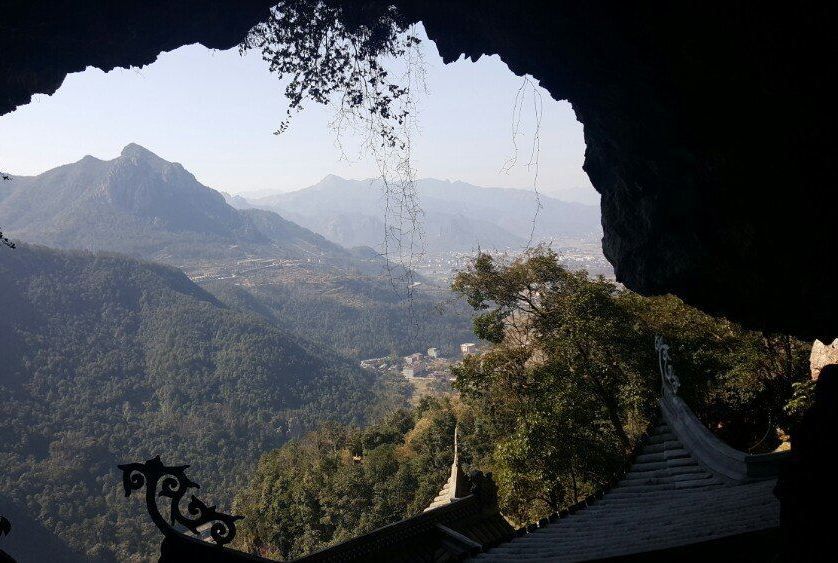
column 215, row 112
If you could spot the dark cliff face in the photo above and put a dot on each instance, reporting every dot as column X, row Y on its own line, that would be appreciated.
column 709, row 127
column 709, row 133
column 42, row 42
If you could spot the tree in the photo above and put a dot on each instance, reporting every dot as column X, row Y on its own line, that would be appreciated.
column 570, row 378
column 565, row 323
column 339, row 482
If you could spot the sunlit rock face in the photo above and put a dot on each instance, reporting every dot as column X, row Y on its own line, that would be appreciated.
column 709, row 128
column 822, row 356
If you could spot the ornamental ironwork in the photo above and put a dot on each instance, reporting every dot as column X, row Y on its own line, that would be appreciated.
column 668, row 376
column 171, row 482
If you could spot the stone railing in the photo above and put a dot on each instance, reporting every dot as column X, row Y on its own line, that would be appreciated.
column 707, row 449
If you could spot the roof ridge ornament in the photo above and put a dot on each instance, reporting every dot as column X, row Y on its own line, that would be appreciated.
column 668, row 378
column 173, row 484
column 456, row 442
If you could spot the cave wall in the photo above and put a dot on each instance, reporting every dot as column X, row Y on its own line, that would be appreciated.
column 709, row 130
column 41, row 42
column 709, row 126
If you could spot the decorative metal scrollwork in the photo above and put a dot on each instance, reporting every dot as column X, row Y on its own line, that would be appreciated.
column 172, row 483
column 665, row 363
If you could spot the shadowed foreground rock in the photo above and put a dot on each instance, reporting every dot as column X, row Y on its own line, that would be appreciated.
column 807, row 488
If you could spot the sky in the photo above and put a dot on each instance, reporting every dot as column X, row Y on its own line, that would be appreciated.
column 215, row 112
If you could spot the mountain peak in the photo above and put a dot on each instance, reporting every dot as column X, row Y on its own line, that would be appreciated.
column 331, row 179
column 133, row 150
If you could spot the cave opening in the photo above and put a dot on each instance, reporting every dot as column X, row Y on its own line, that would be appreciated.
column 710, row 157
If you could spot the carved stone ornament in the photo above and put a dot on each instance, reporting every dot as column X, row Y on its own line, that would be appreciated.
column 172, row 483
column 668, row 376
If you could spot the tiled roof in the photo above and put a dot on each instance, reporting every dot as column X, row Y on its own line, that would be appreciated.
column 683, row 487
column 457, row 484
column 666, row 499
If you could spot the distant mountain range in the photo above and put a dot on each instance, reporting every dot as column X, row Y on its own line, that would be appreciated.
column 456, row 216
column 253, row 259
column 143, row 205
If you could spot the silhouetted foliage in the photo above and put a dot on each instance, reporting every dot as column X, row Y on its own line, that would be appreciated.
column 336, row 53
column 327, row 57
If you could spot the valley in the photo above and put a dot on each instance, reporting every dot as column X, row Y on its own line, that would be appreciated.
column 108, row 359
column 457, row 219
column 159, row 319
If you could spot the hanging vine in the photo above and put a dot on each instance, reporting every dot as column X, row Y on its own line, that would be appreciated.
column 4, row 241
column 337, row 56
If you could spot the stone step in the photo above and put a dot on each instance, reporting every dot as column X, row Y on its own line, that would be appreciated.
column 668, row 472
column 662, row 479
column 605, row 517
column 662, row 437
column 662, row 456
column 661, row 446
column 656, row 465
column 662, row 490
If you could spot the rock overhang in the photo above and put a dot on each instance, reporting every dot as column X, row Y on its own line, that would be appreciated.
column 709, row 128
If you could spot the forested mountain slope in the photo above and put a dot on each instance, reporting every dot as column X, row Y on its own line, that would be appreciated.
column 360, row 318
column 107, row 360
column 143, row 205
column 147, row 207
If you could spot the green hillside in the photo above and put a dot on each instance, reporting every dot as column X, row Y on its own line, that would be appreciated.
column 145, row 206
column 361, row 317
column 107, row 359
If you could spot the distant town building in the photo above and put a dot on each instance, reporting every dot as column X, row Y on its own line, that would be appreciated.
column 413, row 359
column 408, row 372
column 433, row 352
column 468, row 348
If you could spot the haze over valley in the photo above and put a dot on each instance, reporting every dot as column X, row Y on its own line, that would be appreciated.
column 292, row 281
column 456, row 220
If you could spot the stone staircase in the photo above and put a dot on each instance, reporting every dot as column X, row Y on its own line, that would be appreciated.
column 666, row 499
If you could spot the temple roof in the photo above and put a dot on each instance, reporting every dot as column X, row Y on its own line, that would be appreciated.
column 666, row 499
column 683, row 488
column 462, row 520
column 685, row 496
column 457, row 485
